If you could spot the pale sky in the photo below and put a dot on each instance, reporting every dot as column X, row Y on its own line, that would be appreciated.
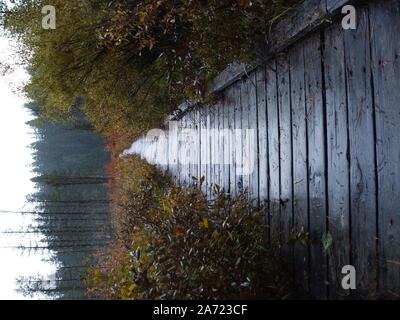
column 15, row 184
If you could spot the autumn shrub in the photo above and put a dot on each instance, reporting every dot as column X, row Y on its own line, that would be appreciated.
column 128, row 63
column 172, row 243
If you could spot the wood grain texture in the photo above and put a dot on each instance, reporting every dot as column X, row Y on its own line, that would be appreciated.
column 335, row 5
column 300, row 165
column 245, row 102
column 262, row 136
column 209, row 152
column 221, row 138
column 253, row 155
column 316, row 156
column 285, row 157
column 385, row 36
column 303, row 20
column 238, row 138
column 273, row 151
column 338, row 162
column 203, row 148
column 226, row 137
column 173, row 149
column 233, row 105
column 362, row 156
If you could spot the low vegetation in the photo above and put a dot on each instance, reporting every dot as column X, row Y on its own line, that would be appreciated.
column 171, row 243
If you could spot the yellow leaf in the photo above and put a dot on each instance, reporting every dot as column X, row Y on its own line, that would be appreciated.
column 205, row 223
column 132, row 287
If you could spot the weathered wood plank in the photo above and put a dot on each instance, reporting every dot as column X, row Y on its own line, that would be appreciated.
column 334, row 5
column 194, row 147
column 238, row 139
column 221, row 112
column 262, row 136
column 285, row 158
column 245, row 102
column 273, row 152
column 209, row 152
column 316, row 156
column 305, row 18
column 185, row 152
column 216, row 151
column 173, row 148
column 198, row 141
column 204, row 158
column 385, row 35
column 300, row 166
column 226, row 140
column 252, row 158
column 230, row 75
column 179, row 151
column 362, row 156
column 212, row 150
column 338, row 162
column 189, row 146
column 164, row 153
column 232, row 94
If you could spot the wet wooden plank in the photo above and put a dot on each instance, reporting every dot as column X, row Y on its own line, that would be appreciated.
column 189, row 147
column 216, row 151
column 385, row 35
column 232, row 97
column 185, row 151
column 238, row 139
column 213, row 151
column 203, row 148
column 285, row 158
column 197, row 166
column 229, row 76
column 305, row 18
column 334, row 5
column 245, row 102
column 362, row 156
column 273, row 152
column 179, row 151
column 316, row 156
column 209, row 151
column 173, row 148
column 338, row 162
column 262, row 136
column 300, row 165
column 226, row 139
column 253, row 167
column 221, row 112
column 163, row 143
column 193, row 147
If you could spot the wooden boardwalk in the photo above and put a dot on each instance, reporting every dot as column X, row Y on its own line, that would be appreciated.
column 315, row 134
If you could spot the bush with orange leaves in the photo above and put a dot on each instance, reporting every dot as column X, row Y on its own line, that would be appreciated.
column 172, row 243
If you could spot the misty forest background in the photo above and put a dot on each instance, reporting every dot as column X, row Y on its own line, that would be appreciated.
column 70, row 201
